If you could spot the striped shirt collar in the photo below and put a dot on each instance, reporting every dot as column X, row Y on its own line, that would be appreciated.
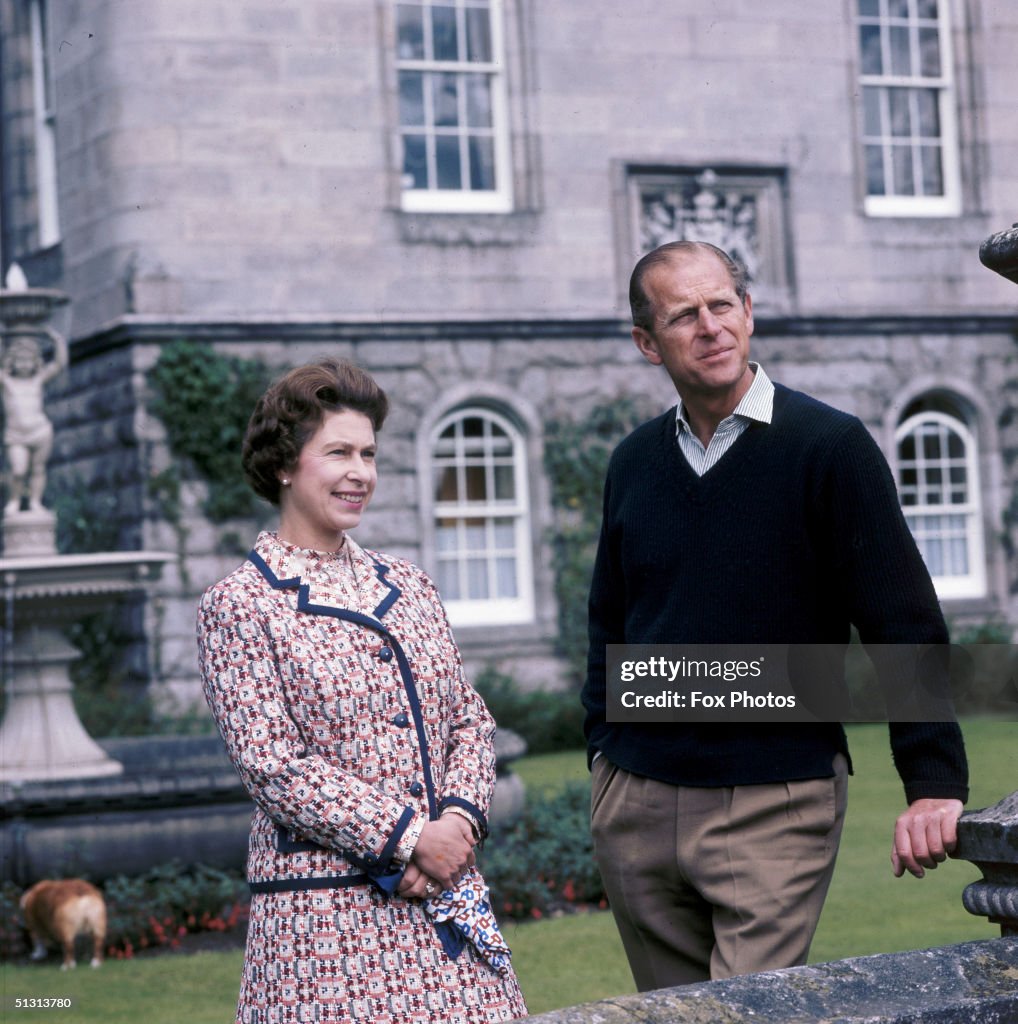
column 756, row 404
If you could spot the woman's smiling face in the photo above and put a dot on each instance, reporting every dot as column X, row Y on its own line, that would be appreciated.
column 331, row 484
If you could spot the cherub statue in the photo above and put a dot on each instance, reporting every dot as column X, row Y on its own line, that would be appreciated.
column 28, row 433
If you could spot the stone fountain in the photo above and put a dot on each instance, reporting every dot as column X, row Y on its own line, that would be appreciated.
column 43, row 592
column 71, row 805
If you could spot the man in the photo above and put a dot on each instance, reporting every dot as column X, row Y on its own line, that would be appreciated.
column 749, row 514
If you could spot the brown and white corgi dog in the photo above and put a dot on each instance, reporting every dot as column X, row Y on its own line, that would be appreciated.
column 60, row 911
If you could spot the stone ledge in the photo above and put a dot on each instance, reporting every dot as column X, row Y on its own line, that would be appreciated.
column 970, row 983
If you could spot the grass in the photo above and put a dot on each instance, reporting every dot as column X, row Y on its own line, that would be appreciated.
column 164, row 989
column 579, row 958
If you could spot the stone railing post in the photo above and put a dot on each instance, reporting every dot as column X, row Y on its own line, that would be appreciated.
column 989, row 838
column 1000, row 253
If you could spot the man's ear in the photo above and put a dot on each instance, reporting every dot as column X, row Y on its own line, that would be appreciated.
column 647, row 344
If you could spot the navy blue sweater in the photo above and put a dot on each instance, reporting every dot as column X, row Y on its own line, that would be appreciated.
column 794, row 536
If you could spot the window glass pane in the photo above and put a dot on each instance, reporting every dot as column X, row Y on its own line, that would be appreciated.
column 473, row 426
column 875, row 184
column 906, row 447
column 869, row 48
column 411, row 98
column 897, row 8
column 901, row 59
column 410, row 31
column 929, row 113
column 955, row 446
column 505, row 534
column 447, row 159
column 927, row 8
column 505, row 483
column 959, row 557
column 505, row 577
column 929, row 52
column 871, row 111
column 473, row 536
column 415, row 162
column 478, row 34
column 444, row 35
column 482, row 163
column 869, row 8
column 901, row 114
column 446, row 536
column 445, row 484
column 933, row 174
column 901, row 162
column 478, row 89
column 477, row 579
column 446, row 100
column 448, row 581
column 477, row 483
column 931, row 445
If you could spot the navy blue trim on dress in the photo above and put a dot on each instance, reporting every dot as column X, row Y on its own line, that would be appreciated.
column 415, row 709
column 389, row 850
column 406, row 672
column 457, row 801
column 271, row 578
column 284, row 844
column 319, row 882
column 394, row 592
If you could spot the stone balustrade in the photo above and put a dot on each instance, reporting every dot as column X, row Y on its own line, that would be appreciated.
column 969, row 983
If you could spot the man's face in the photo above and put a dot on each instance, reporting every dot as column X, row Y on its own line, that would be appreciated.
column 701, row 328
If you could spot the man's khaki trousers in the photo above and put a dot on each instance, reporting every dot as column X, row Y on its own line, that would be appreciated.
column 709, row 883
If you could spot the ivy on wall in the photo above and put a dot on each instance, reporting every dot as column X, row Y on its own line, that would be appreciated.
column 576, row 455
column 204, row 400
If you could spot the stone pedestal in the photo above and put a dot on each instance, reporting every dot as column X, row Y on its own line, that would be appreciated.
column 30, row 533
column 989, row 838
column 41, row 737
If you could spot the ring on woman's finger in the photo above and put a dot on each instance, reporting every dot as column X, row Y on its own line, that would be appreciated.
column 429, row 887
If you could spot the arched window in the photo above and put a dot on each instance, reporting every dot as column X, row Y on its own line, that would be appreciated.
column 481, row 518
column 938, row 482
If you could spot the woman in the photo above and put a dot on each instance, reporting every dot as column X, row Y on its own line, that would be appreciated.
column 337, row 686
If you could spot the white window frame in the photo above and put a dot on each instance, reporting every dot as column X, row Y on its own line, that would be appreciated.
column 44, row 127
column 913, row 204
column 959, row 585
column 486, row 611
column 464, row 200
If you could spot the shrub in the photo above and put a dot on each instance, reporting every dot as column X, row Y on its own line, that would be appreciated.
column 547, row 720
column 147, row 911
column 544, row 863
column 160, row 907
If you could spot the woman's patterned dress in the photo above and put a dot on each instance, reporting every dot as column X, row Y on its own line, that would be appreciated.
column 339, row 690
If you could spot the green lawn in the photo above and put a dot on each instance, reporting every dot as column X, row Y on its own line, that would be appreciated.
column 578, row 958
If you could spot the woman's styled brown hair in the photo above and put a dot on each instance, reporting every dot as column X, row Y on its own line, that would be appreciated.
column 292, row 409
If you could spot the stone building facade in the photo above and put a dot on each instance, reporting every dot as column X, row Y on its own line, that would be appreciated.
column 453, row 192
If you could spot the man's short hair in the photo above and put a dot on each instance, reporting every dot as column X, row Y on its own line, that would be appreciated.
column 639, row 302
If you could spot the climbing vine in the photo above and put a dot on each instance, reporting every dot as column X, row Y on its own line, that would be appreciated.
column 204, row 400
column 576, row 455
